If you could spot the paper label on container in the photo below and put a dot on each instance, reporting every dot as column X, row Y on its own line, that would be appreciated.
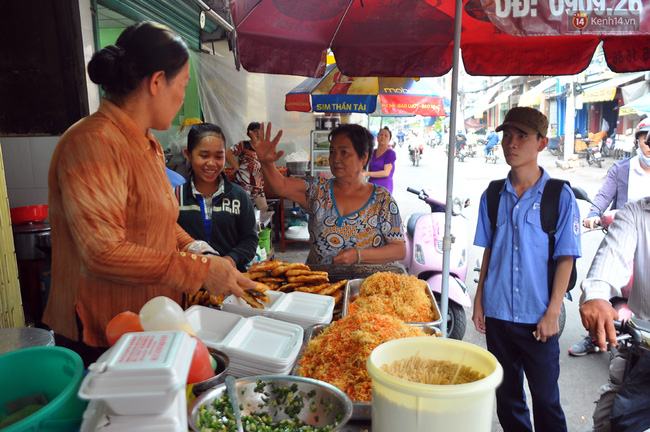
column 147, row 348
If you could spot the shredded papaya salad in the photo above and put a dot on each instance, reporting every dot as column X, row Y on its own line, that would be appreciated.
column 338, row 355
column 402, row 296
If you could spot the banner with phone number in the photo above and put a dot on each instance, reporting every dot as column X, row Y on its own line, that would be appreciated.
column 569, row 17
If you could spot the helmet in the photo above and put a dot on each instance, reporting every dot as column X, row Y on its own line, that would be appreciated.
column 642, row 127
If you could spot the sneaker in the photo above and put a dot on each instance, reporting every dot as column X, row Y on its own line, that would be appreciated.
column 584, row 347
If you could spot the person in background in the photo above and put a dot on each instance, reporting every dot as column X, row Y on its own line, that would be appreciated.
column 350, row 220
column 382, row 164
column 248, row 172
column 627, row 239
column 492, row 141
column 514, row 306
column 115, row 240
column 174, row 178
column 627, row 180
column 212, row 208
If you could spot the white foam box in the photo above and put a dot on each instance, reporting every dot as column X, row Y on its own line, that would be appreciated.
column 264, row 340
column 305, row 309
column 211, row 325
column 142, row 373
column 239, row 306
column 100, row 418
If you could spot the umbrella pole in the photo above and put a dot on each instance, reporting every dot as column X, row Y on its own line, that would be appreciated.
column 447, row 240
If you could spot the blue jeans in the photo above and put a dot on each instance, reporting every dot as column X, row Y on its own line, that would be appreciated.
column 519, row 352
column 488, row 147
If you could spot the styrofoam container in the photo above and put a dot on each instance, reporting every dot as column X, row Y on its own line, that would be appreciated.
column 305, row 309
column 142, row 373
column 211, row 325
column 398, row 404
column 100, row 418
column 239, row 306
column 264, row 340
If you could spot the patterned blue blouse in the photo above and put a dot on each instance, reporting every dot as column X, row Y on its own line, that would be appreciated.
column 376, row 223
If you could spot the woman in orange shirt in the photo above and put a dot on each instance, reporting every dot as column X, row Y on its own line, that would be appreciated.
column 115, row 240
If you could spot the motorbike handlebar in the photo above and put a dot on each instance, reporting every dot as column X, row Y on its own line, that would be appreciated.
column 413, row 191
column 632, row 330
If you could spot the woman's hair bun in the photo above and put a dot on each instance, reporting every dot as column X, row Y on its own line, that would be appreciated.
column 105, row 66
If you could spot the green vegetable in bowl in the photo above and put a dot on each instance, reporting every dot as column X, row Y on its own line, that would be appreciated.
column 219, row 415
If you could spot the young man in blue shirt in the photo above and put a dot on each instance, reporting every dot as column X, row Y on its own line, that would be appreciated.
column 513, row 306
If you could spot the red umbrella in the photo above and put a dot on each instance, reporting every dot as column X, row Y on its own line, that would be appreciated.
column 415, row 37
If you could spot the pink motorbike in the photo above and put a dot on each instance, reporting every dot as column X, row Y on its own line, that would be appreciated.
column 424, row 239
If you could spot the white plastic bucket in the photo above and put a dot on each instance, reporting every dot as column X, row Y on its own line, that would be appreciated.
column 401, row 405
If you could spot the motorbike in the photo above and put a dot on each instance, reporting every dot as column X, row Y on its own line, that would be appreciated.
column 424, row 239
column 461, row 151
column 492, row 155
column 594, row 156
column 434, row 140
column 471, row 150
column 630, row 410
column 415, row 154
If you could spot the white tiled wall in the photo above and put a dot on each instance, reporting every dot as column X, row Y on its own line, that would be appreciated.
column 27, row 162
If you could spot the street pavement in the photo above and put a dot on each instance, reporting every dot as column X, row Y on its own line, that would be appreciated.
column 580, row 377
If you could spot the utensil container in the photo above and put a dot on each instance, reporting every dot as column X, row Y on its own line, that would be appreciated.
column 398, row 404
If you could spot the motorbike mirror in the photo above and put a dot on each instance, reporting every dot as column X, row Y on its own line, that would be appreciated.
column 580, row 194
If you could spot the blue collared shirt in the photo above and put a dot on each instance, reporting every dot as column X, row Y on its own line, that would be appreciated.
column 516, row 287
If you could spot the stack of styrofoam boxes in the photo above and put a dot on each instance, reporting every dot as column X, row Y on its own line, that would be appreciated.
column 139, row 384
column 304, row 309
column 256, row 345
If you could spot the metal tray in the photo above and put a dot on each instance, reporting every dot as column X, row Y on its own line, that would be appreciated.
column 354, row 286
column 361, row 411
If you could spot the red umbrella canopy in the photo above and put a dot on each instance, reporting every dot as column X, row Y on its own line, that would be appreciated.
column 339, row 93
column 406, row 38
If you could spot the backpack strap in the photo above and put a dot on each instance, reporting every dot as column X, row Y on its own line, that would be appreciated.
column 549, row 215
column 493, row 197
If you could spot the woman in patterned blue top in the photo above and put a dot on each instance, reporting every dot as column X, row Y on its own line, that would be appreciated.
column 350, row 220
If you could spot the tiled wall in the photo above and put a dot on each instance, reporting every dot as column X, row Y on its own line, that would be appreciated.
column 27, row 162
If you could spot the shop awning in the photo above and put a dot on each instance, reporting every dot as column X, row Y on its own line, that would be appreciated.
column 639, row 106
column 484, row 104
column 606, row 91
column 534, row 95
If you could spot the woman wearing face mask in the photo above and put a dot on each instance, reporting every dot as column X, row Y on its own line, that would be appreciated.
column 626, row 180
column 212, row 208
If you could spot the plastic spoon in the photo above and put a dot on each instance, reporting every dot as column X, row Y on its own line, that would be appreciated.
column 163, row 313
column 231, row 387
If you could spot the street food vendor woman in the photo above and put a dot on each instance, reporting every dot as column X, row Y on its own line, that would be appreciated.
column 350, row 220
column 115, row 240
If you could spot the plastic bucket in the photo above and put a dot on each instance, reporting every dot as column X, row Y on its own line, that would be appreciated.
column 265, row 239
column 53, row 371
column 401, row 405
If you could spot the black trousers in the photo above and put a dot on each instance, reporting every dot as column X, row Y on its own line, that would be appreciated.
column 519, row 352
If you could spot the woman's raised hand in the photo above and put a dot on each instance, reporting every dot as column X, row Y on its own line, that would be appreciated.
column 266, row 148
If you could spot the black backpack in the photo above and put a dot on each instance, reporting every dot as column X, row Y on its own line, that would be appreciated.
column 549, row 208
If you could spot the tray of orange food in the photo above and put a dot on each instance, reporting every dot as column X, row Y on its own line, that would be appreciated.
column 405, row 297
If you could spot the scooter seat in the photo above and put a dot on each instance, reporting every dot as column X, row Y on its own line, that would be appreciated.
column 410, row 226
